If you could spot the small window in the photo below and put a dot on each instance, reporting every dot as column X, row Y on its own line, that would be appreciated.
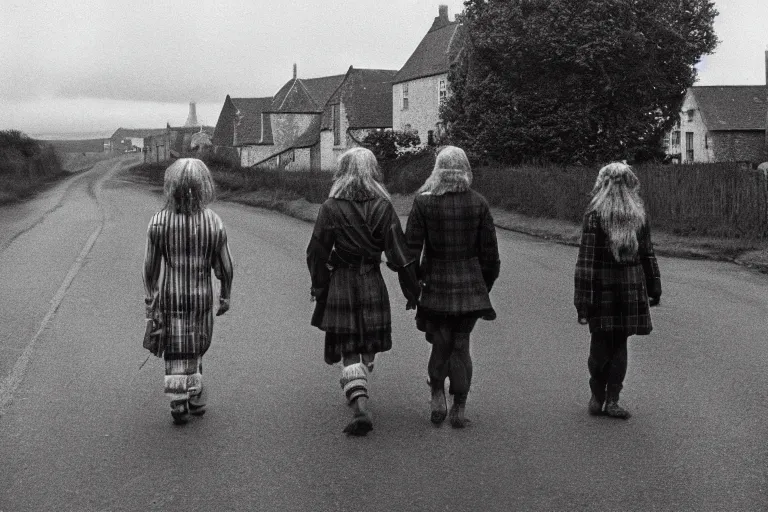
column 441, row 92
column 405, row 96
column 690, row 115
column 336, row 121
column 676, row 138
column 689, row 146
column 706, row 141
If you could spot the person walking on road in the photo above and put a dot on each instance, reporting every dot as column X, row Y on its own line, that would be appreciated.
column 617, row 280
column 452, row 226
column 354, row 225
column 186, row 241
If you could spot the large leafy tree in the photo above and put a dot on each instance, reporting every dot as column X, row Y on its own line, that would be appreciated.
column 574, row 81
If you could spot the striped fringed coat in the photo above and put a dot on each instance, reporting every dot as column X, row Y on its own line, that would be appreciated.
column 614, row 296
column 181, row 252
column 344, row 256
column 460, row 262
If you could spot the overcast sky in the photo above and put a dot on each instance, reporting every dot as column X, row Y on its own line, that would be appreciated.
column 95, row 65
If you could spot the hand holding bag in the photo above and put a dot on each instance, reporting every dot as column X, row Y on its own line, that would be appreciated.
column 153, row 333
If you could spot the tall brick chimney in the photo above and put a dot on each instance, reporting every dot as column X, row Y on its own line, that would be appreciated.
column 192, row 117
column 442, row 18
column 442, row 12
column 294, row 71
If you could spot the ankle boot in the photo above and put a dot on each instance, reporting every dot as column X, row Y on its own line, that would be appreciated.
column 179, row 412
column 612, row 407
column 438, row 405
column 361, row 422
column 597, row 400
column 456, row 415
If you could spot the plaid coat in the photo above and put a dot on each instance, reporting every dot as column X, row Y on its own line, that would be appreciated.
column 614, row 296
column 455, row 236
column 343, row 257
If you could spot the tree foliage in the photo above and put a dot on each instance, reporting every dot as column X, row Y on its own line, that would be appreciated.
column 574, row 81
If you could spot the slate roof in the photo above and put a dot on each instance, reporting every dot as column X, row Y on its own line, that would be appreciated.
column 123, row 133
column 303, row 95
column 732, row 107
column 367, row 97
column 249, row 125
column 306, row 139
column 434, row 53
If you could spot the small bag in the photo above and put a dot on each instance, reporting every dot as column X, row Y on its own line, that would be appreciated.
column 154, row 332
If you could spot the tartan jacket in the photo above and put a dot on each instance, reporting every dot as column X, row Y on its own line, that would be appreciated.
column 613, row 295
column 352, row 234
column 455, row 236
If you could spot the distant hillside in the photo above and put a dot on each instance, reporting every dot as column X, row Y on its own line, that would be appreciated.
column 76, row 146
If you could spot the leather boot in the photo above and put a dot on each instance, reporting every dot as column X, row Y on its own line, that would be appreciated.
column 456, row 415
column 179, row 412
column 597, row 400
column 612, row 407
column 438, row 405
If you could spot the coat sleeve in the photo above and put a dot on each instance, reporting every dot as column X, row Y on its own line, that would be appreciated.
column 222, row 264
column 400, row 258
column 489, row 250
column 586, row 269
column 153, row 259
column 414, row 235
column 318, row 252
column 649, row 263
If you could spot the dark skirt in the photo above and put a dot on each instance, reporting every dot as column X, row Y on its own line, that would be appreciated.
column 356, row 318
column 431, row 323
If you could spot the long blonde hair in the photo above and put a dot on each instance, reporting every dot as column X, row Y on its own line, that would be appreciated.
column 188, row 186
column 358, row 176
column 616, row 202
column 451, row 173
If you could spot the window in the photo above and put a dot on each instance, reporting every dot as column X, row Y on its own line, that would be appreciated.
column 689, row 146
column 666, row 141
column 441, row 92
column 336, row 121
column 706, row 141
column 676, row 138
column 405, row 96
column 690, row 114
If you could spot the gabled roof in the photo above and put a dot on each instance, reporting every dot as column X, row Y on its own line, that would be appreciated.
column 123, row 133
column 732, row 107
column 367, row 97
column 303, row 95
column 306, row 139
column 434, row 53
column 249, row 122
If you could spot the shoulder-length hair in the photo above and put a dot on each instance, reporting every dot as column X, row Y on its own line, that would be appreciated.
column 357, row 178
column 188, row 186
column 617, row 203
column 451, row 173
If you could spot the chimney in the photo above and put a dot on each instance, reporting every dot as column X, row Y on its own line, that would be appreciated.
column 192, row 117
column 294, row 71
column 442, row 12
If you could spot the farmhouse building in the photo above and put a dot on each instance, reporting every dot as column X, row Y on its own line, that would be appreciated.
column 126, row 139
column 720, row 124
column 421, row 85
column 308, row 123
column 723, row 123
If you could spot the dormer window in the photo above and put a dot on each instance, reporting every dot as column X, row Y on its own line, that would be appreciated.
column 405, row 96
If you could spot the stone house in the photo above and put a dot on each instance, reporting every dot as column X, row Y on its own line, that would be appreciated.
column 126, row 139
column 308, row 123
column 421, row 85
column 720, row 124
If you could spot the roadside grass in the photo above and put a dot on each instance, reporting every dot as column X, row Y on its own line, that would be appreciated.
column 26, row 166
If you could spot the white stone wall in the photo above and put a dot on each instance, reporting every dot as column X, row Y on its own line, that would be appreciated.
column 423, row 113
column 702, row 143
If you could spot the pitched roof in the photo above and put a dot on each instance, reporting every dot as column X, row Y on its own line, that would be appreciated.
column 434, row 53
column 123, row 133
column 367, row 97
column 301, row 95
column 249, row 123
column 306, row 139
column 732, row 107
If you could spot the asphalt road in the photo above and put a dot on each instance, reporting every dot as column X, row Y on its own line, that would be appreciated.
column 83, row 428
